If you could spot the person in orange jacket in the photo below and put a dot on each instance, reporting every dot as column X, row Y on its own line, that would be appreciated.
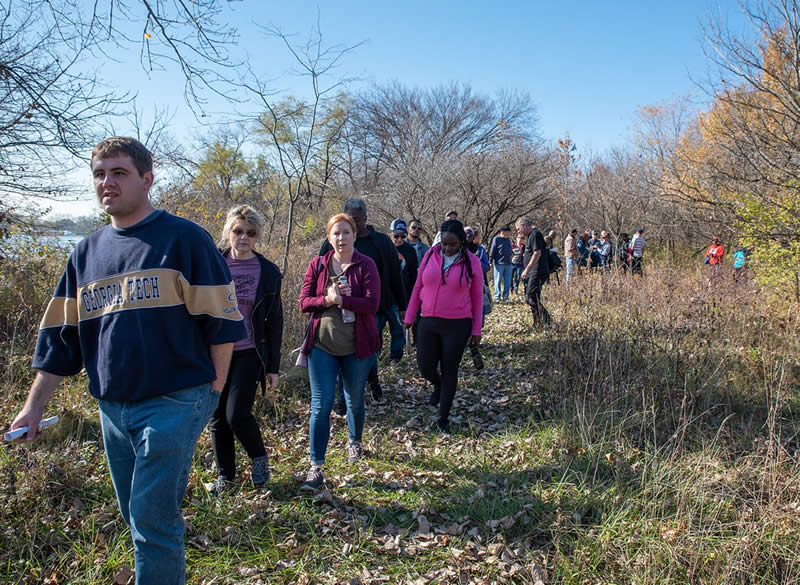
column 714, row 255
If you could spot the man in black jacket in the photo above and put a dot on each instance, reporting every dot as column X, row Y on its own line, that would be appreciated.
column 380, row 248
column 408, row 265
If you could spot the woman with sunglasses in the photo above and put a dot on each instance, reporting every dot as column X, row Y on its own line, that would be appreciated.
column 449, row 289
column 255, row 358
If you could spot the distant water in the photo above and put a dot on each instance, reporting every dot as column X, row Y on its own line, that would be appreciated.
column 68, row 241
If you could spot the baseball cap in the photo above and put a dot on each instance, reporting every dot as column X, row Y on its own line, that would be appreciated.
column 399, row 226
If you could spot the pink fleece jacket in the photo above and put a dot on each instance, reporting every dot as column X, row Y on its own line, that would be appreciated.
column 455, row 298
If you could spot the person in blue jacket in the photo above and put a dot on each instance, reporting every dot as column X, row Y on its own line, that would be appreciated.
column 500, row 254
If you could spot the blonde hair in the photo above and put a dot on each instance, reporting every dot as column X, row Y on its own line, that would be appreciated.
column 336, row 219
column 243, row 213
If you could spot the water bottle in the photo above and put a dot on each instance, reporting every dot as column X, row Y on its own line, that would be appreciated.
column 348, row 316
column 477, row 358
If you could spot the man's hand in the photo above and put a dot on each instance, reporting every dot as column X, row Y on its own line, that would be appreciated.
column 524, row 274
column 42, row 388
column 30, row 418
column 272, row 379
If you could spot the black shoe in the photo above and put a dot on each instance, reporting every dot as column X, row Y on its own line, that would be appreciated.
column 434, row 397
column 443, row 427
column 340, row 407
column 314, row 480
column 377, row 391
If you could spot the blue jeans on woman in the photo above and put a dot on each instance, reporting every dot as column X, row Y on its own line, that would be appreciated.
column 323, row 370
column 149, row 447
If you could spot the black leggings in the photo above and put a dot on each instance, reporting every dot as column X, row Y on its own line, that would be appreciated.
column 234, row 414
column 442, row 341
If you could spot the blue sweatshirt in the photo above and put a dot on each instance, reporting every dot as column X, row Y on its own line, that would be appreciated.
column 138, row 308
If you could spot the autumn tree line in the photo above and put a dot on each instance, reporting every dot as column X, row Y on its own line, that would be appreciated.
column 727, row 168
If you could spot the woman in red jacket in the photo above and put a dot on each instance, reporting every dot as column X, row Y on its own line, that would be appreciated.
column 714, row 255
column 341, row 290
column 449, row 288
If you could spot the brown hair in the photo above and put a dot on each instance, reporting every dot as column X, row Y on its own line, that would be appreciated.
column 336, row 219
column 117, row 145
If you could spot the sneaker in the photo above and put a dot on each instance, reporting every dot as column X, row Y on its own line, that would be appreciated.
column 443, row 427
column 222, row 485
column 260, row 471
column 355, row 452
column 314, row 479
column 340, row 407
column 377, row 391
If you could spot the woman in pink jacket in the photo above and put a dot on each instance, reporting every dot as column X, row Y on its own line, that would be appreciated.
column 449, row 288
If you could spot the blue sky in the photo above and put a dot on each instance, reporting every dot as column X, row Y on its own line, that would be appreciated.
column 587, row 65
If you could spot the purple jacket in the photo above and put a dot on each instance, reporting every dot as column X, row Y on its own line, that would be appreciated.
column 366, row 294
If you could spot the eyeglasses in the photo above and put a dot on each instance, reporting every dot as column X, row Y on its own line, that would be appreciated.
column 398, row 236
column 241, row 232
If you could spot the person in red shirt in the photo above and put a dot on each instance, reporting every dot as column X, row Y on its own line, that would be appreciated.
column 714, row 255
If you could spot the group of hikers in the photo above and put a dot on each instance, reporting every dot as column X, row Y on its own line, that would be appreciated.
column 201, row 325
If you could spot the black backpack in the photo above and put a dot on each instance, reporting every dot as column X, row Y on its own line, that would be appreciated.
column 555, row 261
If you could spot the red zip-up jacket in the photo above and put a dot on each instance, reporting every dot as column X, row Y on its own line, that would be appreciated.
column 365, row 284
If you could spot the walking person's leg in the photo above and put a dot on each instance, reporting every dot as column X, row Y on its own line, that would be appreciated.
column 498, row 278
column 354, row 373
column 429, row 351
column 162, row 432
column 222, row 439
column 381, row 319
column 323, row 370
column 398, row 341
column 533, row 296
column 243, row 385
column 455, row 334
column 507, row 269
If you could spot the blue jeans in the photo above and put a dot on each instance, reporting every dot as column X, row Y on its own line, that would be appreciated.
column 502, row 274
column 149, row 447
column 572, row 268
column 516, row 273
column 323, row 370
column 398, row 342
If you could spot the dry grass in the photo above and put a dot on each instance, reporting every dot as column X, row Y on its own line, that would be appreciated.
column 649, row 436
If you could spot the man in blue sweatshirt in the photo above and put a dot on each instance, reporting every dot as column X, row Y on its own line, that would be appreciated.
column 147, row 306
column 500, row 257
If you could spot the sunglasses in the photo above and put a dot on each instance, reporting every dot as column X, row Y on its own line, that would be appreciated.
column 241, row 232
column 398, row 236
column 415, row 227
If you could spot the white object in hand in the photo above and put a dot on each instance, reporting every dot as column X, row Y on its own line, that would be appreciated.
column 16, row 433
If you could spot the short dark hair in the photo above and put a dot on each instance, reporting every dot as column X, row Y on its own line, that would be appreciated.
column 505, row 228
column 117, row 145
column 355, row 204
